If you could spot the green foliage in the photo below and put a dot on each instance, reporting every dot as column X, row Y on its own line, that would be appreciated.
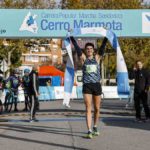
column 37, row 4
column 136, row 49
column 102, row 4
column 15, row 48
column 133, row 48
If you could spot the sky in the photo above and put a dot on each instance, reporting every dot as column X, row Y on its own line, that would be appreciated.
column 147, row 0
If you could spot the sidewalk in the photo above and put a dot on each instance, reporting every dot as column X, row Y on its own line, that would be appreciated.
column 60, row 129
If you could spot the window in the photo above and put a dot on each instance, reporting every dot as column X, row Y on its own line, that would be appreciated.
column 28, row 58
column 54, row 58
column 35, row 58
column 43, row 58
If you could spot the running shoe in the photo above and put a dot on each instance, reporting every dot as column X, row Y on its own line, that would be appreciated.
column 95, row 131
column 147, row 120
column 15, row 110
column 139, row 120
column 67, row 106
column 33, row 120
column 89, row 135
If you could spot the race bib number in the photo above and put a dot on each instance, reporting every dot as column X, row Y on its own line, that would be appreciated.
column 91, row 68
column 15, row 82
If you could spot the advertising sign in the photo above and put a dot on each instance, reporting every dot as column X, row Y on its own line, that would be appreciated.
column 16, row 23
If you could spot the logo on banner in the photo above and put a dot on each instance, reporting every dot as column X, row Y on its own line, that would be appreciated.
column 146, row 22
column 29, row 23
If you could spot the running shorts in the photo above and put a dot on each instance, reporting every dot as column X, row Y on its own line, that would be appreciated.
column 92, row 88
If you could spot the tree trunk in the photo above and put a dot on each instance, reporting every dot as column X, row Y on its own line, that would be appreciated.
column 9, row 62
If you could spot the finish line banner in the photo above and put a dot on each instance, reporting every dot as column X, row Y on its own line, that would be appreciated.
column 17, row 23
column 122, row 73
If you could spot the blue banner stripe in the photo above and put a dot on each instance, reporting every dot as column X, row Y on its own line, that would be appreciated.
column 69, row 79
column 67, row 41
column 77, row 31
column 112, row 39
column 122, row 83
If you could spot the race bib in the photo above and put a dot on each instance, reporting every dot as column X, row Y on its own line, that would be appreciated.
column 91, row 68
column 15, row 82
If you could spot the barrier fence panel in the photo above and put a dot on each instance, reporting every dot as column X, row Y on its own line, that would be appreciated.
column 79, row 92
column 48, row 93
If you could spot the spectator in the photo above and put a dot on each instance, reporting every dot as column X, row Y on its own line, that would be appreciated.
column 34, row 92
column 26, row 81
column 1, row 93
column 48, row 83
column 13, row 83
column 141, row 87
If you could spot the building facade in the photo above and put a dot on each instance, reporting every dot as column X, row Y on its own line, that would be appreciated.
column 44, row 54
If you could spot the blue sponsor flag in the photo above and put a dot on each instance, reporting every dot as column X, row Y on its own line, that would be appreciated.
column 69, row 74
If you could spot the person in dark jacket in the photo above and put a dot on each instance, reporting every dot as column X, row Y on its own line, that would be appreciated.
column 1, row 92
column 14, row 82
column 141, row 87
column 34, row 92
column 26, row 81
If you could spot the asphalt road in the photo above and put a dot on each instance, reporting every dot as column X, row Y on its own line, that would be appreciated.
column 61, row 129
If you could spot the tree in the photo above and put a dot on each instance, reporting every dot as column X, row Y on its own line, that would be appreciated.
column 136, row 49
column 132, row 48
column 101, row 4
column 37, row 4
column 13, row 50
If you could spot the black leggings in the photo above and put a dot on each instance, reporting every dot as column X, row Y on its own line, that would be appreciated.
column 34, row 105
column 138, row 99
